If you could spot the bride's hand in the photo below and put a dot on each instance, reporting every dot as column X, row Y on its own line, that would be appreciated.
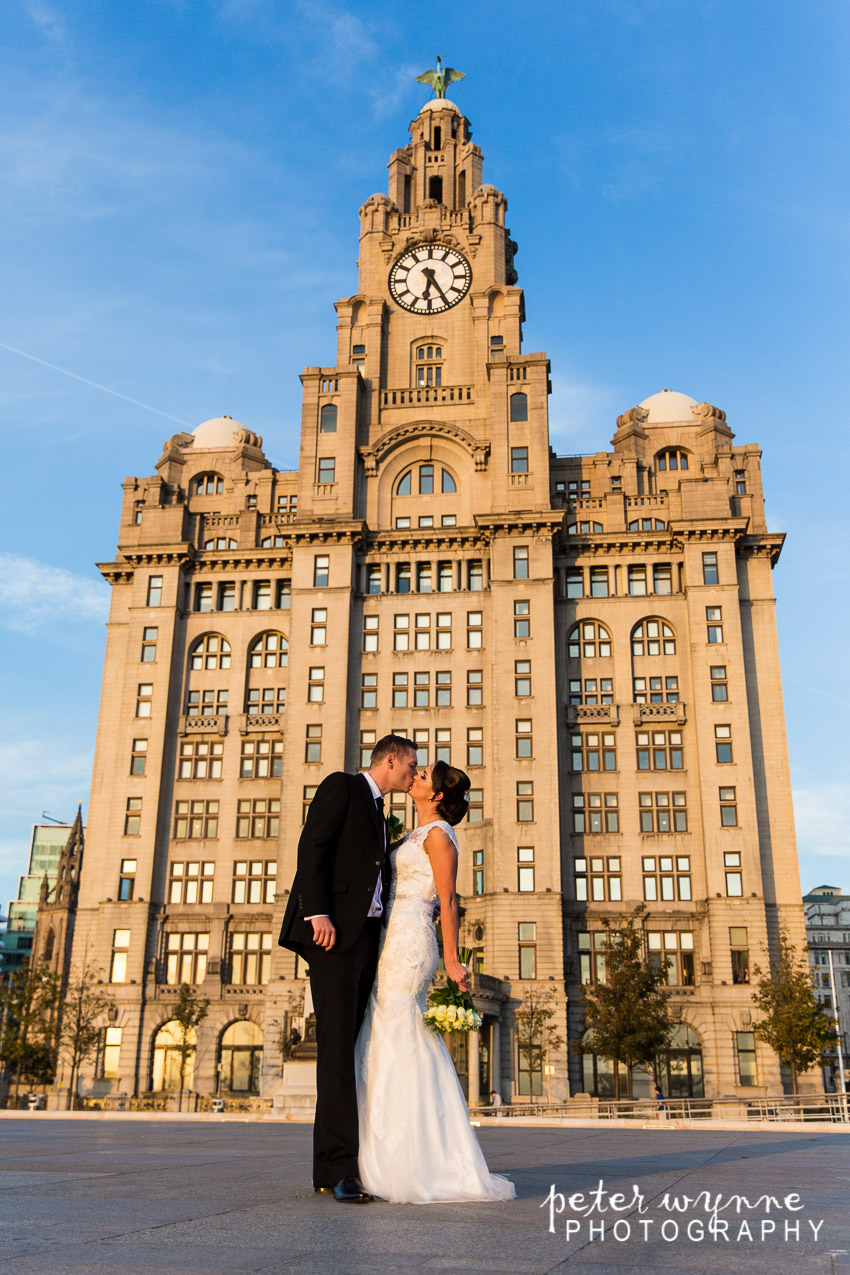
column 459, row 974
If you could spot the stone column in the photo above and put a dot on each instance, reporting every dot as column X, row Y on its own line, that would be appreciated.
column 496, row 1057
column 474, row 1070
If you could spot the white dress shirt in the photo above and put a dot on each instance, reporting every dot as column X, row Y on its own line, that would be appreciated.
column 376, row 907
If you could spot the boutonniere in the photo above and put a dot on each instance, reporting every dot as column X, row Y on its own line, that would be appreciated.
column 395, row 828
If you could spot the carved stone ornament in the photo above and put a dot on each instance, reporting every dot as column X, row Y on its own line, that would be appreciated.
column 416, row 431
column 634, row 416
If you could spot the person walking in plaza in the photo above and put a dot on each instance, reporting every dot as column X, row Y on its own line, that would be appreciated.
column 333, row 920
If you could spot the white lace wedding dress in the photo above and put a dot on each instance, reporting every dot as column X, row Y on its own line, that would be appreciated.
column 416, row 1143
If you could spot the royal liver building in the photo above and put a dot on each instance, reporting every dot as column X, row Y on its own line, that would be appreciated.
column 592, row 638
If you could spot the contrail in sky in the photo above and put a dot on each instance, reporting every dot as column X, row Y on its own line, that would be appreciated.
column 147, row 407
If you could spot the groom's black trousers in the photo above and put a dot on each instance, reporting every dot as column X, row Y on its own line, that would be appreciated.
column 341, row 983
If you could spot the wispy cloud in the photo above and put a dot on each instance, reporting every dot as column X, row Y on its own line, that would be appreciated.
column 46, row 19
column 822, row 815
column 34, row 594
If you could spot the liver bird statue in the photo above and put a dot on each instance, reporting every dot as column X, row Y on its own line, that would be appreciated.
column 440, row 79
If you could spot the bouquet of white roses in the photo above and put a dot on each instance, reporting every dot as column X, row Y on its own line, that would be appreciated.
column 450, row 1009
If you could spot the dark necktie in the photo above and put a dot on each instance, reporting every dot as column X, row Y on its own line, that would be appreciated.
column 379, row 802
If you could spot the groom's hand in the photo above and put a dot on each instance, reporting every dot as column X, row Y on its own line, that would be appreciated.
column 324, row 932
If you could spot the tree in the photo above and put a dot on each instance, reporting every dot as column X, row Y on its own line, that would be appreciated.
column 30, row 1002
column 795, row 1024
column 84, row 1007
column 190, row 1011
column 536, row 1036
column 628, row 1014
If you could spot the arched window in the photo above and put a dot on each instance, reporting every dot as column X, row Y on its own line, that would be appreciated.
column 589, row 639
column 211, row 651
column 404, row 485
column 49, row 945
column 598, row 1072
column 241, row 1057
column 167, row 1057
column 435, row 189
column 671, row 458
column 429, row 365
column 461, row 189
column 269, row 650
column 221, row 542
column 584, row 528
column 679, row 1066
column 519, row 407
column 448, row 483
column 438, row 138
column 647, row 524
column 327, row 419
column 209, row 484
column 653, row 637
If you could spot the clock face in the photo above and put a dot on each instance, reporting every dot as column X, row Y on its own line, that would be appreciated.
column 429, row 279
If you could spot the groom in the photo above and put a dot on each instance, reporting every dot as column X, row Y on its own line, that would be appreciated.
column 333, row 920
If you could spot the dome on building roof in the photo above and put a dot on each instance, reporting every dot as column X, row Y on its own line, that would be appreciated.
column 218, row 432
column 668, row 406
column 440, row 104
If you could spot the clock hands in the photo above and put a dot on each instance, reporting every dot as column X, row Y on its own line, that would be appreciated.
column 429, row 275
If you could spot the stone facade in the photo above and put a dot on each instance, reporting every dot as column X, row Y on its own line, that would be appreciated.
column 425, row 570
column 828, row 934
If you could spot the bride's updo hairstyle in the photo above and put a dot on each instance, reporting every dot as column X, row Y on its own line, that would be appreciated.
column 454, row 785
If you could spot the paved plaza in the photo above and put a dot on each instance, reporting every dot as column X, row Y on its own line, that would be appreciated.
column 92, row 1195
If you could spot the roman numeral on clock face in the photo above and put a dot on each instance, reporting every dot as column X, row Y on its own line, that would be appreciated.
column 430, row 278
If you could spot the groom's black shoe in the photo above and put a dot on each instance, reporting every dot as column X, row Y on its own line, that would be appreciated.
column 351, row 1191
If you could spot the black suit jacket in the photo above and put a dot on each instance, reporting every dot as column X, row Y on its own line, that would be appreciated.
column 341, row 854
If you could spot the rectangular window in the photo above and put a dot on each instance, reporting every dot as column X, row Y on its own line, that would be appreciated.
column 599, row 879
column 426, row 480
column 527, row 936
column 401, row 633
column 476, row 805
column 186, row 958
column 154, row 591
column 592, row 691
column 714, row 625
column 149, row 637
column 728, row 808
column 327, row 469
column 266, row 700
column 522, row 677
column 370, row 632
column 599, row 582
column 400, row 690
column 474, row 688
column 593, row 751
column 522, row 619
column 445, row 577
column 421, row 690
column 110, row 1052
column 403, row 577
column 443, row 744
column 206, row 703
column 444, row 631
column 734, row 878
column 740, row 949
column 261, row 759
column 284, row 595
column 723, row 744
column 525, row 869
column 127, row 880
column 321, row 570
column 144, row 696
column 369, row 690
column 637, row 582
column 719, row 683
column 478, row 872
column 595, row 812
column 120, row 953
column 663, row 812
column 476, row 575
column 133, row 817
column 203, row 597
column 474, row 630
column 250, row 958
column 474, row 746
column 523, row 737
column 258, row 818
column 443, row 689
column 656, row 690
column 672, row 951
column 519, row 460
column 520, row 562
column 318, row 626
column 746, row 1047
column 254, row 880
column 262, row 595
column 666, row 877
column 448, row 520
column 373, row 578
column 308, row 795
column 313, row 743
column 575, row 582
column 195, row 820
column 420, row 739
column 227, row 597
column 422, row 632
column 138, row 756
column 316, row 686
column 740, row 482
column 426, row 520
column 368, row 740
column 402, row 524
column 191, row 882
column 662, row 578
column 423, row 577
column 200, row 759
column 709, row 568
column 659, row 750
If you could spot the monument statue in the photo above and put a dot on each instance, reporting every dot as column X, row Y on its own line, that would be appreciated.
column 440, row 79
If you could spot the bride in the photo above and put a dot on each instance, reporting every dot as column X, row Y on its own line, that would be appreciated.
column 416, row 1143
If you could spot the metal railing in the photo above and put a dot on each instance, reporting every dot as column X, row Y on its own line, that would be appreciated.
column 830, row 1108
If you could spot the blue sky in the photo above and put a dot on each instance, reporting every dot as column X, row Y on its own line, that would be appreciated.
column 179, row 195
